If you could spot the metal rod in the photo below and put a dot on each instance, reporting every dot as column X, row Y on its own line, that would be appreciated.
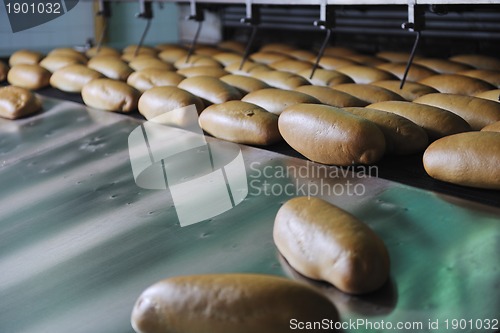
column 321, row 51
column 194, row 41
column 410, row 60
column 101, row 37
column 141, row 41
column 249, row 46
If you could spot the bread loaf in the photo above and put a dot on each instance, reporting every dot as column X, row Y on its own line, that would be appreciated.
column 131, row 49
column 277, row 48
column 468, row 159
column 324, row 77
column 435, row 121
column 410, row 91
column 72, row 78
column 303, row 55
column 196, row 60
column 129, row 57
column 291, row 65
column 281, row 80
column 324, row 242
column 16, row 102
column 68, row 52
column 365, row 75
column 402, row 136
column 476, row 111
column 210, row 89
column 339, row 51
column 110, row 67
column 276, row 100
column 4, row 69
column 247, row 69
column 232, row 45
column 228, row 58
column 159, row 100
column 26, row 57
column 244, row 84
column 331, row 97
column 442, row 66
column 366, row 60
column 478, row 61
column 149, row 78
column 241, row 122
column 395, row 57
column 228, row 303
column 110, row 95
column 492, row 95
column 147, row 63
column 328, row 135
column 103, row 51
column 457, row 84
column 54, row 62
column 208, row 51
column 492, row 77
column 495, row 127
column 172, row 55
column 368, row 93
column 203, row 71
column 416, row 72
column 31, row 77
column 333, row 63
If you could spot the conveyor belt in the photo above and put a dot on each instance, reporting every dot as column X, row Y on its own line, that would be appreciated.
column 79, row 240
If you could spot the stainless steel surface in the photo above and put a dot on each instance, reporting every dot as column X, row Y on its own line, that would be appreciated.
column 79, row 240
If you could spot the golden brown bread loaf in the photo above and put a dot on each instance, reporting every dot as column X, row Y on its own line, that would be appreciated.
column 267, row 58
column 72, row 78
column 410, row 91
column 330, row 135
column 232, row 45
column 153, row 63
column 159, row 100
column 325, row 77
column 172, row 55
column 395, row 57
column 468, row 159
column 196, row 60
column 55, row 62
column 492, row 95
column 203, row 71
column 208, row 51
column 247, row 69
column 291, row 65
column 324, row 242
column 31, row 77
column 478, row 61
column 4, row 69
column 149, row 78
column 228, row 58
column 495, row 127
column 303, row 55
column 331, row 97
column 110, row 95
column 368, row 93
column 457, row 84
column 129, row 57
column 365, row 75
column 333, row 63
column 416, row 72
column 281, row 80
column 17, row 102
column 111, row 67
column 103, row 51
column 241, row 122
column 277, row 48
column 210, row 89
column 442, row 66
column 402, row 136
column 27, row 57
column 339, row 51
column 228, row 303
column 131, row 49
column 245, row 84
column 476, row 111
column 276, row 100
column 435, row 121
column 69, row 52
column 492, row 77
column 366, row 60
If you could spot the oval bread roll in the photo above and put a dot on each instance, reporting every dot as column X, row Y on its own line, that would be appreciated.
column 457, row 84
column 208, row 51
column 495, row 127
column 31, row 77
column 4, row 69
column 54, row 62
column 228, row 58
column 196, row 60
column 324, row 77
column 476, row 111
column 329, row 135
column 368, row 92
column 468, row 159
column 276, row 100
column 228, row 303
column 72, row 78
column 146, row 63
column 410, row 91
column 245, row 84
column 17, row 102
column 435, row 121
column 324, row 242
column 110, row 67
column 331, row 97
column 492, row 77
column 232, row 45
column 402, row 136
column 364, row 75
column 172, row 55
column 210, row 89
column 416, row 72
column 69, row 52
column 303, row 55
column 281, row 80
column 366, row 60
column 169, row 46
column 129, row 57
column 442, row 66
column 339, row 51
column 203, row 71
column 291, row 65
column 159, row 100
column 277, row 48
column 142, row 50
column 248, row 68
column 333, row 63
column 395, row 57
column 492, row 95
column 149, row 78
column 241, row 122
column 478, row 61
column 103, row 51
column 27, row 57
column 110, row 95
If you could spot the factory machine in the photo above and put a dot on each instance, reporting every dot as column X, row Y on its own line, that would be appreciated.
column 82, row 234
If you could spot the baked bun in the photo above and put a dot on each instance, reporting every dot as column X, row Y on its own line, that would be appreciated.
column 103, row 51
column 159, row 100
column 72, row 78
column 232, row 45
column 26, row 57
column 331, row 97
column 210, row 89
column 277, row 48
column 248, row 68
column 410, row 91
column 228, row 58
column 281, row 80
column 202, row 71
column 442, row 66
column 416, row 72
column 196, row 60
column 110, row 67
column 366, row 60
column 333, row 63
column 303, row 55
column 245, row 84
column 147, row 63
column 291, row 65
column 492, row 77
column 54, row 62
column 478, row 61
column 365, row 75
column 110, row 95
column 172, row 55
column 324, row 77
column 31, row 77
column 149, row 78
column 495, row 127
column 368, row 93
column 457, row 84
column 276, row 100
column 17, row 102
column 401, row 57
column 68, row 52
column 492, row 95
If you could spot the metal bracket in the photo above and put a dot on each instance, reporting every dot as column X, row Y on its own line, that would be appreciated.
column 195, row 15
column 145, row 12
column 252, row 18
column 326, row 22
column 105, row 12
column 415, row 24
